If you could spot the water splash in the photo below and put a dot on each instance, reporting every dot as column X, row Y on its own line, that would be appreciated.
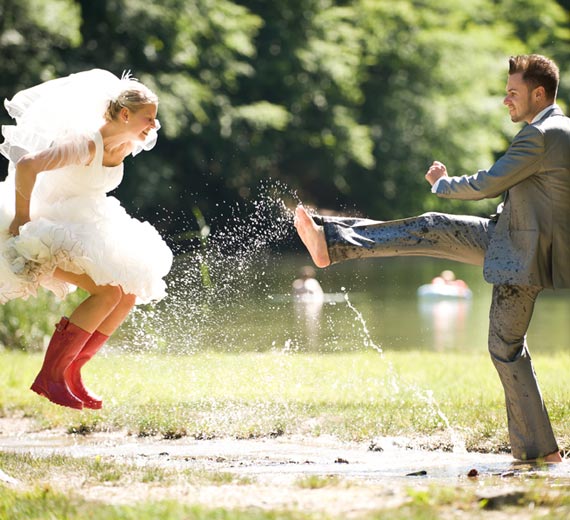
column 215, row 279
column 393, row 380
column 457, row 441
column 211, row 312
column 366, row 336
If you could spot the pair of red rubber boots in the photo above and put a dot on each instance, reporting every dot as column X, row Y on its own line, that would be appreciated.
column 60, row 376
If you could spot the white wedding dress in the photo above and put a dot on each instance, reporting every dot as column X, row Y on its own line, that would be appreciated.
column 74, row 224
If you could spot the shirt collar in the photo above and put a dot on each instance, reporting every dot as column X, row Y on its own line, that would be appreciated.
column 539, row 116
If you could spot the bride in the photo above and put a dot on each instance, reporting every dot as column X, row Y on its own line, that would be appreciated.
column 58, row 227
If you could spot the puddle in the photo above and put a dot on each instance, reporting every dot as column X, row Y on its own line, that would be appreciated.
column 282, row 459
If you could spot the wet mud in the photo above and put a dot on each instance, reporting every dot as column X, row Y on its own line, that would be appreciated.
column 269, row 472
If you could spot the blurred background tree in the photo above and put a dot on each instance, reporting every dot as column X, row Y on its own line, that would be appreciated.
column 345, row 103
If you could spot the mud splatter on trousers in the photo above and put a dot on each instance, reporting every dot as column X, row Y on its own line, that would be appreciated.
column 464, row 239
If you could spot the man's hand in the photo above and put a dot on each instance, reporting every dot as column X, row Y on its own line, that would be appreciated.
column 436, row 171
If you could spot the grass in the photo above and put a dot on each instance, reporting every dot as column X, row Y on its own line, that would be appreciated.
column 537, row 497
column 46, row 503
column 352, row 396
column 97, row 470
column 318, row 481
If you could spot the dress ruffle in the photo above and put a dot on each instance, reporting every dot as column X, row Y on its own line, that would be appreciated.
column 85, row 235
column 113, row 249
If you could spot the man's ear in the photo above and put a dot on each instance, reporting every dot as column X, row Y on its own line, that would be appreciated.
column 539, row 94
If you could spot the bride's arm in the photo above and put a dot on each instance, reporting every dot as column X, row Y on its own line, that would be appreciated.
column 30, row 165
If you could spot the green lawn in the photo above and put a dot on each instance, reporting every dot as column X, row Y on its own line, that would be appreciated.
column 354, row 396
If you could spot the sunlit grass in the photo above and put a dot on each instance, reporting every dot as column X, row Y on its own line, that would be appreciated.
column 50, row 487
column 34, row 469
column 354, row 396
column 318, row 481
column 44, row 502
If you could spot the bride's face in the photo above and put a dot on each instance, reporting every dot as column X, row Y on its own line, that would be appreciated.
column 141, row 122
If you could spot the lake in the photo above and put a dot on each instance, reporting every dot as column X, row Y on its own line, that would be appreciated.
column 369, row 304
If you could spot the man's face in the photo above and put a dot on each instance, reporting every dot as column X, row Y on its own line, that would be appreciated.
column 520, row 100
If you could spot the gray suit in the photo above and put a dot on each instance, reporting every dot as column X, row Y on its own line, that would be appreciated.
column 531, row 243
column 524, row 249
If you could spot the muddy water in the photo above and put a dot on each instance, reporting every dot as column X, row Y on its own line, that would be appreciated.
column 283, row 460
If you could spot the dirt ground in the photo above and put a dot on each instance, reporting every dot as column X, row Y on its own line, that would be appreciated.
column 269, row 473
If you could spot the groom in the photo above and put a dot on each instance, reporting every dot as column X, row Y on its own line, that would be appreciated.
column 523, row 249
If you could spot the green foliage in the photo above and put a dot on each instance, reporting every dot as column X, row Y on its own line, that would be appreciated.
column 263, row 115
column 28, row 324
column 63, row 14
column 346, row 102
column 429, row 96
column 33, row 36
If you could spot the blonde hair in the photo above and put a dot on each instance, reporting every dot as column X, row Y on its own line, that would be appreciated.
column 133, row 98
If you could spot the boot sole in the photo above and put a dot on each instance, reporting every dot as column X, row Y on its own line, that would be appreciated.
column 41, row 391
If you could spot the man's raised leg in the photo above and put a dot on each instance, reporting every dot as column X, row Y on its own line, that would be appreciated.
column 336, row 239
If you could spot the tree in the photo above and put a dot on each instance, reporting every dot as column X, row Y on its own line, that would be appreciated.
column 345, row 103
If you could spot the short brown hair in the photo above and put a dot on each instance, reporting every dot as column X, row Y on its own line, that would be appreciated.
column 537, row 71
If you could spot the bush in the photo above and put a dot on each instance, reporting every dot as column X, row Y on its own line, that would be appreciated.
column 28, row 324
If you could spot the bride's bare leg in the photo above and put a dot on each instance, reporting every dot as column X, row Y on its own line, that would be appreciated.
column 71, row 337
column 118, row 314
column 99, row 315
column 313, row 236
column 94, row 310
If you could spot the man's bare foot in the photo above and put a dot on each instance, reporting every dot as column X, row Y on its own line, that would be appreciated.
column 553, row 457
column 313, row 236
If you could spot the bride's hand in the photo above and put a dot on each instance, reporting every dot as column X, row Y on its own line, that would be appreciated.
column 14, row 228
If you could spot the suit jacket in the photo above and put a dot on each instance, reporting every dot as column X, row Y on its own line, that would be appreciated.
column 530, row 244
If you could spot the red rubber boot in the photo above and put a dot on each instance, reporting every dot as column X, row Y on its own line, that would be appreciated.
column 64, row 346
column 73, row 372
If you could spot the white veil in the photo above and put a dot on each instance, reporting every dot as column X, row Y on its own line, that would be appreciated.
column 61, row 110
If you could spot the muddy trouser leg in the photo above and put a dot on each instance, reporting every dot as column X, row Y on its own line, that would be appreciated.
column 452, row 237
column 464, row 239
column 530, row 430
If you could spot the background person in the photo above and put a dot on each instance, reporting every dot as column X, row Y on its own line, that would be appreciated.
column 306, row 287
column 447, row 277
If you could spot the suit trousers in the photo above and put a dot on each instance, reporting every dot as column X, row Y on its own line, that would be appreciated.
column 464, row 239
